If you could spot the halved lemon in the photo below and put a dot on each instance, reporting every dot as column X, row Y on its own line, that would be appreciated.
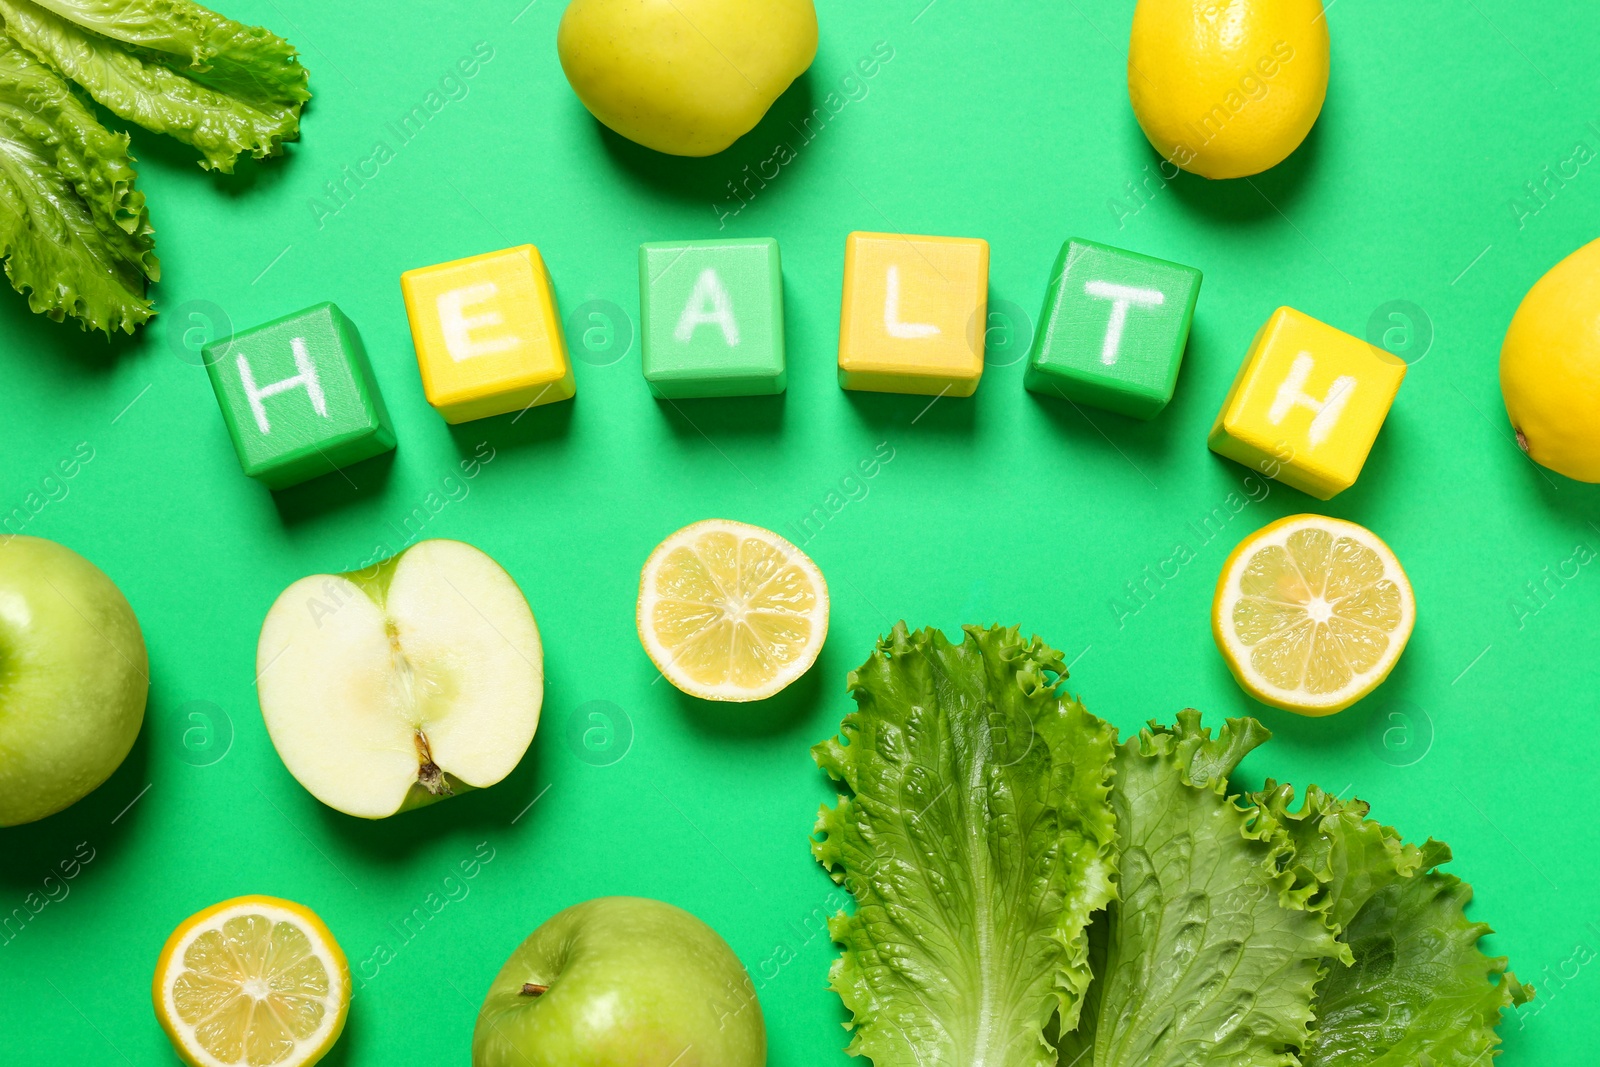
column 729, row 611
column 252, row 982
column 1312, row 613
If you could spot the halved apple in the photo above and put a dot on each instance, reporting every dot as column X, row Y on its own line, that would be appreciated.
column 392, row 687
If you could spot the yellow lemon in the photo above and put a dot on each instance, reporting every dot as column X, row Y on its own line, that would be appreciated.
column 1312, row 613
column 252, row 982
column 729, row 611
column 1550, row 367
column 1227, row 88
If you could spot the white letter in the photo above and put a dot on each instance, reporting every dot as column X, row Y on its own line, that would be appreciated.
column 458, row 326
column 1121, row 297
column 318, row 611
column 307, row 378
column 891, row 312
column 1291, row 394
column 708, row 303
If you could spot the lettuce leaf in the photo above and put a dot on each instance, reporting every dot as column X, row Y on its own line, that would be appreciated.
column 977, row 841
column 1213, row 950
column 173, row 67
column 985, row 821
column 244, row 61
column 74, row 232
column 1419, row 989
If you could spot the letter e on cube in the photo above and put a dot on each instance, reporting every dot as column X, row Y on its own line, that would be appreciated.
column 487, row 334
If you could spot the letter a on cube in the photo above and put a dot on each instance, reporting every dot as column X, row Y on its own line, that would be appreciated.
column 914, row 314
column 1307, row 404
column 712, row 318
column 298, row 396
column 487, row 334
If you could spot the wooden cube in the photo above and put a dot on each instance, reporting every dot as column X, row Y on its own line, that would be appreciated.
column 712, row 318
column 1113, row 329
column 298, row 396
column 1307, row 404
column 487, row 334
column 914, row 315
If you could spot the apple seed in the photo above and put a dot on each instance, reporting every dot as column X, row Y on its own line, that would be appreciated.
column 429, row 776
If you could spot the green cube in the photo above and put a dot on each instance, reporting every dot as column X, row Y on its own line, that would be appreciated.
column 298, row 396
column 712, row 318
column 1113, row 329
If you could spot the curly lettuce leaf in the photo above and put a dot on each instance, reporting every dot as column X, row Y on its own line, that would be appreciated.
column 74, row 233
column 977, row 840
column 1213, row 950
column 1419, row 989
column 173, row 67
column 244, row 61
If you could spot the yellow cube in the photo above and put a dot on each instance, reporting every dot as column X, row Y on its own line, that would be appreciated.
column 914, row 314
column 1307, row 404
column 487, row 334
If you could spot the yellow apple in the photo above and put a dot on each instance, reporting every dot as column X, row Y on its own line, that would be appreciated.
column 686, row 77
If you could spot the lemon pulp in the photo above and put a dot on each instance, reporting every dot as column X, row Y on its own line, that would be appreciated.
column 1312, row 613
column 732, row 610
column 729, row 611
column 252, row 990
column 1316, row 611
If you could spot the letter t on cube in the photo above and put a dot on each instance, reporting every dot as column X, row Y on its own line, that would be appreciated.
column 1113, row 329
column 1307, row 404
column 298, row 396
column 487, row 334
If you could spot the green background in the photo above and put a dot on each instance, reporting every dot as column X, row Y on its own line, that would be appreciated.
column 1010, row 123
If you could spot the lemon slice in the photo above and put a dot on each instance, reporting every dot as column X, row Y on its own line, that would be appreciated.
column 252, row 982
column 729, row 611
column 1311, row 613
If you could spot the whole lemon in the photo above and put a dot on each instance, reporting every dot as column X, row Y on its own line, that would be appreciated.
column 1227, row 88
column 1550, row 367
column 686, row 77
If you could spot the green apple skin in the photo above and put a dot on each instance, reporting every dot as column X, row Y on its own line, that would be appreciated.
column 685, row 77
column 629, row 982
column 74, row 676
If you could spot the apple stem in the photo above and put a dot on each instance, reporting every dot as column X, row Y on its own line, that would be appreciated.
column 429, row 776
column 531, row 990
column 1522, row 440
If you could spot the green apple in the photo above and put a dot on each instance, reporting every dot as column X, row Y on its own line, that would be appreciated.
column 686, row 77
column 621, row 982
column 74, row 675
column 395, row 686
